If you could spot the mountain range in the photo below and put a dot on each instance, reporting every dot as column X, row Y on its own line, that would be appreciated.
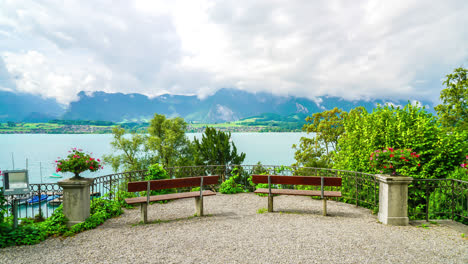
column 224, row 105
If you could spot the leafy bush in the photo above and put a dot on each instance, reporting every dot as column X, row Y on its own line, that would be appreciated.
column 30, row 232
column 101, row 210
column 157, row 172
column 230, row 186
column 392, row 161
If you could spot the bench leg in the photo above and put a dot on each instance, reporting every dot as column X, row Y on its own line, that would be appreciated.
column 144, row 212
column 270, row 203
column 324, row 206
column 199, row 206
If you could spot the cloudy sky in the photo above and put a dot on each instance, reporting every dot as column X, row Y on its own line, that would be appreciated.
column 399, row 49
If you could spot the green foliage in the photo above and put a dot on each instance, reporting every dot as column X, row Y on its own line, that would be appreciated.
column 30, row 232
column 23, row 235
column 408, row 128
column 216, row 148
column 101, row 210
column 3, row 204
column 230, row 186
column 77, row 162
column 393, row 161
column 56, row 224
column 132, row 156
column 317, row 152
column 157, row 172
column 168, row 142
column 262, row 211
column 453, row 112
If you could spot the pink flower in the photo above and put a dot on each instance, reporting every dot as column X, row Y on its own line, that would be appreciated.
column 80, row 150
column 463, row 165
column 98, row 160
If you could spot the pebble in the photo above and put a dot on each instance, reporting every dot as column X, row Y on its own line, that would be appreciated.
column 233, row 232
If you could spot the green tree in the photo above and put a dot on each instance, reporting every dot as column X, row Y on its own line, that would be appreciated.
column 409, row 128
column 168, row 142
column 317, row 152
column 216, row 148
column 453, row 112
column 131, row 151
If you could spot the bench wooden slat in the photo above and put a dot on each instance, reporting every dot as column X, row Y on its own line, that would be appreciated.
column 171, row 196
column 300, row 192
column 172, row 183
column 296, row 180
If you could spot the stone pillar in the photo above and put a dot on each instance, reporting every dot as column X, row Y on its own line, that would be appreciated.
column 393, row 199
column 76, row 199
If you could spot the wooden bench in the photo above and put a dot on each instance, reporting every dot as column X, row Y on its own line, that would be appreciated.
column 149, row 186
column 297, row 180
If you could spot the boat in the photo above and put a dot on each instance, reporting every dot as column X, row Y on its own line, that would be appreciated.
column 35, row 199
column 55, row 175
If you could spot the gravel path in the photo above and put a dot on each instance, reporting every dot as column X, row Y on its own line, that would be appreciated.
column 234, row 232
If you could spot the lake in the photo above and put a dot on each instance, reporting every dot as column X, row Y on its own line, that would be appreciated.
column 41, row 150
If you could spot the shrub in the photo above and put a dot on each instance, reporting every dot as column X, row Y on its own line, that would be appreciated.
column 230, row 186
column 392, row 161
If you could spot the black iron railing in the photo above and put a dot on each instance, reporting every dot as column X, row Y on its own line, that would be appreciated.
column 432, row 199
column 427, row 198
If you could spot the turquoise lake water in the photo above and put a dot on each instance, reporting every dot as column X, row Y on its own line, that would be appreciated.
column 41, row 150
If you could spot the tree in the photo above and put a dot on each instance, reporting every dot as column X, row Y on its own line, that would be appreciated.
column 453, row 112
column 409, row 128
column 317, row 152
column 132, row 155
column 168, row 142
column 216, row 148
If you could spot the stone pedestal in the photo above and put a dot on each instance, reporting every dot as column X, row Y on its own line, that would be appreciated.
column 393, row 199
column 76, row 200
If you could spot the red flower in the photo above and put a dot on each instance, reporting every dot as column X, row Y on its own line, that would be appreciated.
column 419, row 164
column 391, row 155
column 385, row 167
column 91, row 168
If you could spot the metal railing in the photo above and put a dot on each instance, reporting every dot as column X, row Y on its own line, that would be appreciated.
column 427, row 198
column 432, row 199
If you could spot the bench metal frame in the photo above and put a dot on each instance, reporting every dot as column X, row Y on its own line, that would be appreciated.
column 298, row 180
column 149, row 186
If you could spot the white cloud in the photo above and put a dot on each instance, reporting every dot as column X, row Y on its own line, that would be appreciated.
column 351, row 49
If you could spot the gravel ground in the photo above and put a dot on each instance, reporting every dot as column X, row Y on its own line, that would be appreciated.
column 233, row 232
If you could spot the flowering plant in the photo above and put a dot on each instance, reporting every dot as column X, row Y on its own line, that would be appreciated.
column 465, row 165
column 390, row 160
column 77, row 162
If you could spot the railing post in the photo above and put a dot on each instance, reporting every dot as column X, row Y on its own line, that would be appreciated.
column 427, row 204
column 357, row 193
column 40, row 205
column 453, row 202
